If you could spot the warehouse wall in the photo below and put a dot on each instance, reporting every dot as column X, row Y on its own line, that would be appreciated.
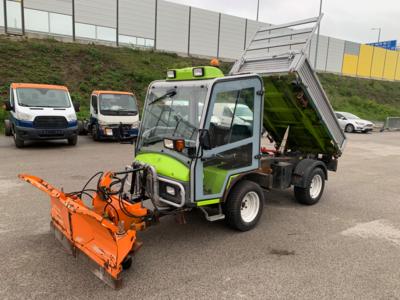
column 137, row 18
column 172, row 27
column 204, row 32
column 232, row 34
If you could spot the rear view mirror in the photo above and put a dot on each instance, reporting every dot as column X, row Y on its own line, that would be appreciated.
column 204, row 138
column 77, row 106
column 7, row 106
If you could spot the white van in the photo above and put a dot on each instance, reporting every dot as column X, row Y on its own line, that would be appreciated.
column 113, row 115
column 41, row 112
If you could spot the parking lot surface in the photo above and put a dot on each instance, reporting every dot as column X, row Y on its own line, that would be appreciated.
column 345, row 247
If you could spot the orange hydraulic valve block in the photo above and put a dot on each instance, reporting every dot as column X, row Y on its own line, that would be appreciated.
column 105, row 233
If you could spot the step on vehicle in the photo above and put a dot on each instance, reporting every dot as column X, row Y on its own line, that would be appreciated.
column 113, row 115
column 41, row 112
column 189, row 155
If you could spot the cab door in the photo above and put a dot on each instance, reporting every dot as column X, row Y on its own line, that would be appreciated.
column 234, row 138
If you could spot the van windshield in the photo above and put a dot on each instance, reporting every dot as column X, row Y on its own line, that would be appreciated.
column 40, row 97
column 118, row 104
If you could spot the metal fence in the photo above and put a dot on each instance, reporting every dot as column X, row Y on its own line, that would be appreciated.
column 168, row 26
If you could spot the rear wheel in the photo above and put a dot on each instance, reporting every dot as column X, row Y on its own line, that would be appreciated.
column 7, row 127
column 244, row 206
column 72, row 141
column 315, row 184
column 349, row 128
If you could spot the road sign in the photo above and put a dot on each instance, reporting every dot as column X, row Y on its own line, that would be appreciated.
column 389, row 45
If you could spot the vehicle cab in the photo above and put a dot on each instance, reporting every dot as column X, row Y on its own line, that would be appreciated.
column 41, row 112
column 113, row 115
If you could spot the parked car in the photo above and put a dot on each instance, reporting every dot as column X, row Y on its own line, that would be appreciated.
column 41, row 112
column 351, row 123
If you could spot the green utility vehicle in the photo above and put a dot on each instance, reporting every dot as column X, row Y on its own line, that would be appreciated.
column 201, row 143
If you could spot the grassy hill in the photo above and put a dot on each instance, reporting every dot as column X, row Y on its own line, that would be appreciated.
column 84, row 68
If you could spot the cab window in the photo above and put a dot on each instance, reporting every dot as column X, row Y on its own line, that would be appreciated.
column 232, row 118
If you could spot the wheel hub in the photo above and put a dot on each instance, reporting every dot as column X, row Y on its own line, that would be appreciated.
column 250, row 206
column 316, row 186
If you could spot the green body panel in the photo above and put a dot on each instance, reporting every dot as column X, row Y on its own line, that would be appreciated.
column 187, row 73
column 285, row 106
column 213, row 180
column 208, row 202
column 165, row 165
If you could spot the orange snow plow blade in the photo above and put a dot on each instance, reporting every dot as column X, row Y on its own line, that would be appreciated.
column 105, row 233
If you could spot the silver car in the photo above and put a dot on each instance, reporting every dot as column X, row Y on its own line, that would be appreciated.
column 351, row 123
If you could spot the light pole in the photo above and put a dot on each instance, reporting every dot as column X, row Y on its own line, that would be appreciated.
column 379, row 32
column 319, row 27
column 258, row 9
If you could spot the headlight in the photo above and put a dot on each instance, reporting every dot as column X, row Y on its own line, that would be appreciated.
column 136, row 124
column 23, row 116
column 170, row 190
column 71, row 117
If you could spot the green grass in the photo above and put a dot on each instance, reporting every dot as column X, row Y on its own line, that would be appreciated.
column 84, row 68
column 369, row 99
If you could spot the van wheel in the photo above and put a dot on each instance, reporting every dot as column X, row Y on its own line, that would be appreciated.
column 244, row 206
column 7, row 128
column 19, row 143
column 72, row 141
column 95, row 133
column 314, row 189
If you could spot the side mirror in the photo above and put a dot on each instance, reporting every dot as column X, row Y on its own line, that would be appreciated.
column 204, row 138
column 77, row 106
column 7, row 106
column 343, row 118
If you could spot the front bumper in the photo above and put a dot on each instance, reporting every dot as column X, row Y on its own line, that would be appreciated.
column 118, row 133
column 27, row 133
column 364, row 128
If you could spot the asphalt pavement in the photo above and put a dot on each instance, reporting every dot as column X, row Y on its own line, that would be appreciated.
column 345, row 247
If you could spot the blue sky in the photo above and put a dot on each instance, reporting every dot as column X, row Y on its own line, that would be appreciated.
column 346, row 19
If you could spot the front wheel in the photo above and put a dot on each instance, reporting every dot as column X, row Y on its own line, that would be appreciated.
column 244, row 206
column 349, row 128
column 19, row 143
column 315, row 184
column 95, row 133
column 72, row 141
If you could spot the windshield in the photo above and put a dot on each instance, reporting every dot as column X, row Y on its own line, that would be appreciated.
column 118, row 104
column 38, row 97
column 349, row 116
column 173, row 111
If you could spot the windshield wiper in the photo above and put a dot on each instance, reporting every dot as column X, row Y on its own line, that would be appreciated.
column 168, row 94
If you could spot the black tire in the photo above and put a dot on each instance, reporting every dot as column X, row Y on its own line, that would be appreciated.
column 303, row 195
column 349, row 128
column 19, row 143
column 127, row 262
column 7, row 128
column 95, row 132
column 81, row 129
column 234, row 205
column 73, row 140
